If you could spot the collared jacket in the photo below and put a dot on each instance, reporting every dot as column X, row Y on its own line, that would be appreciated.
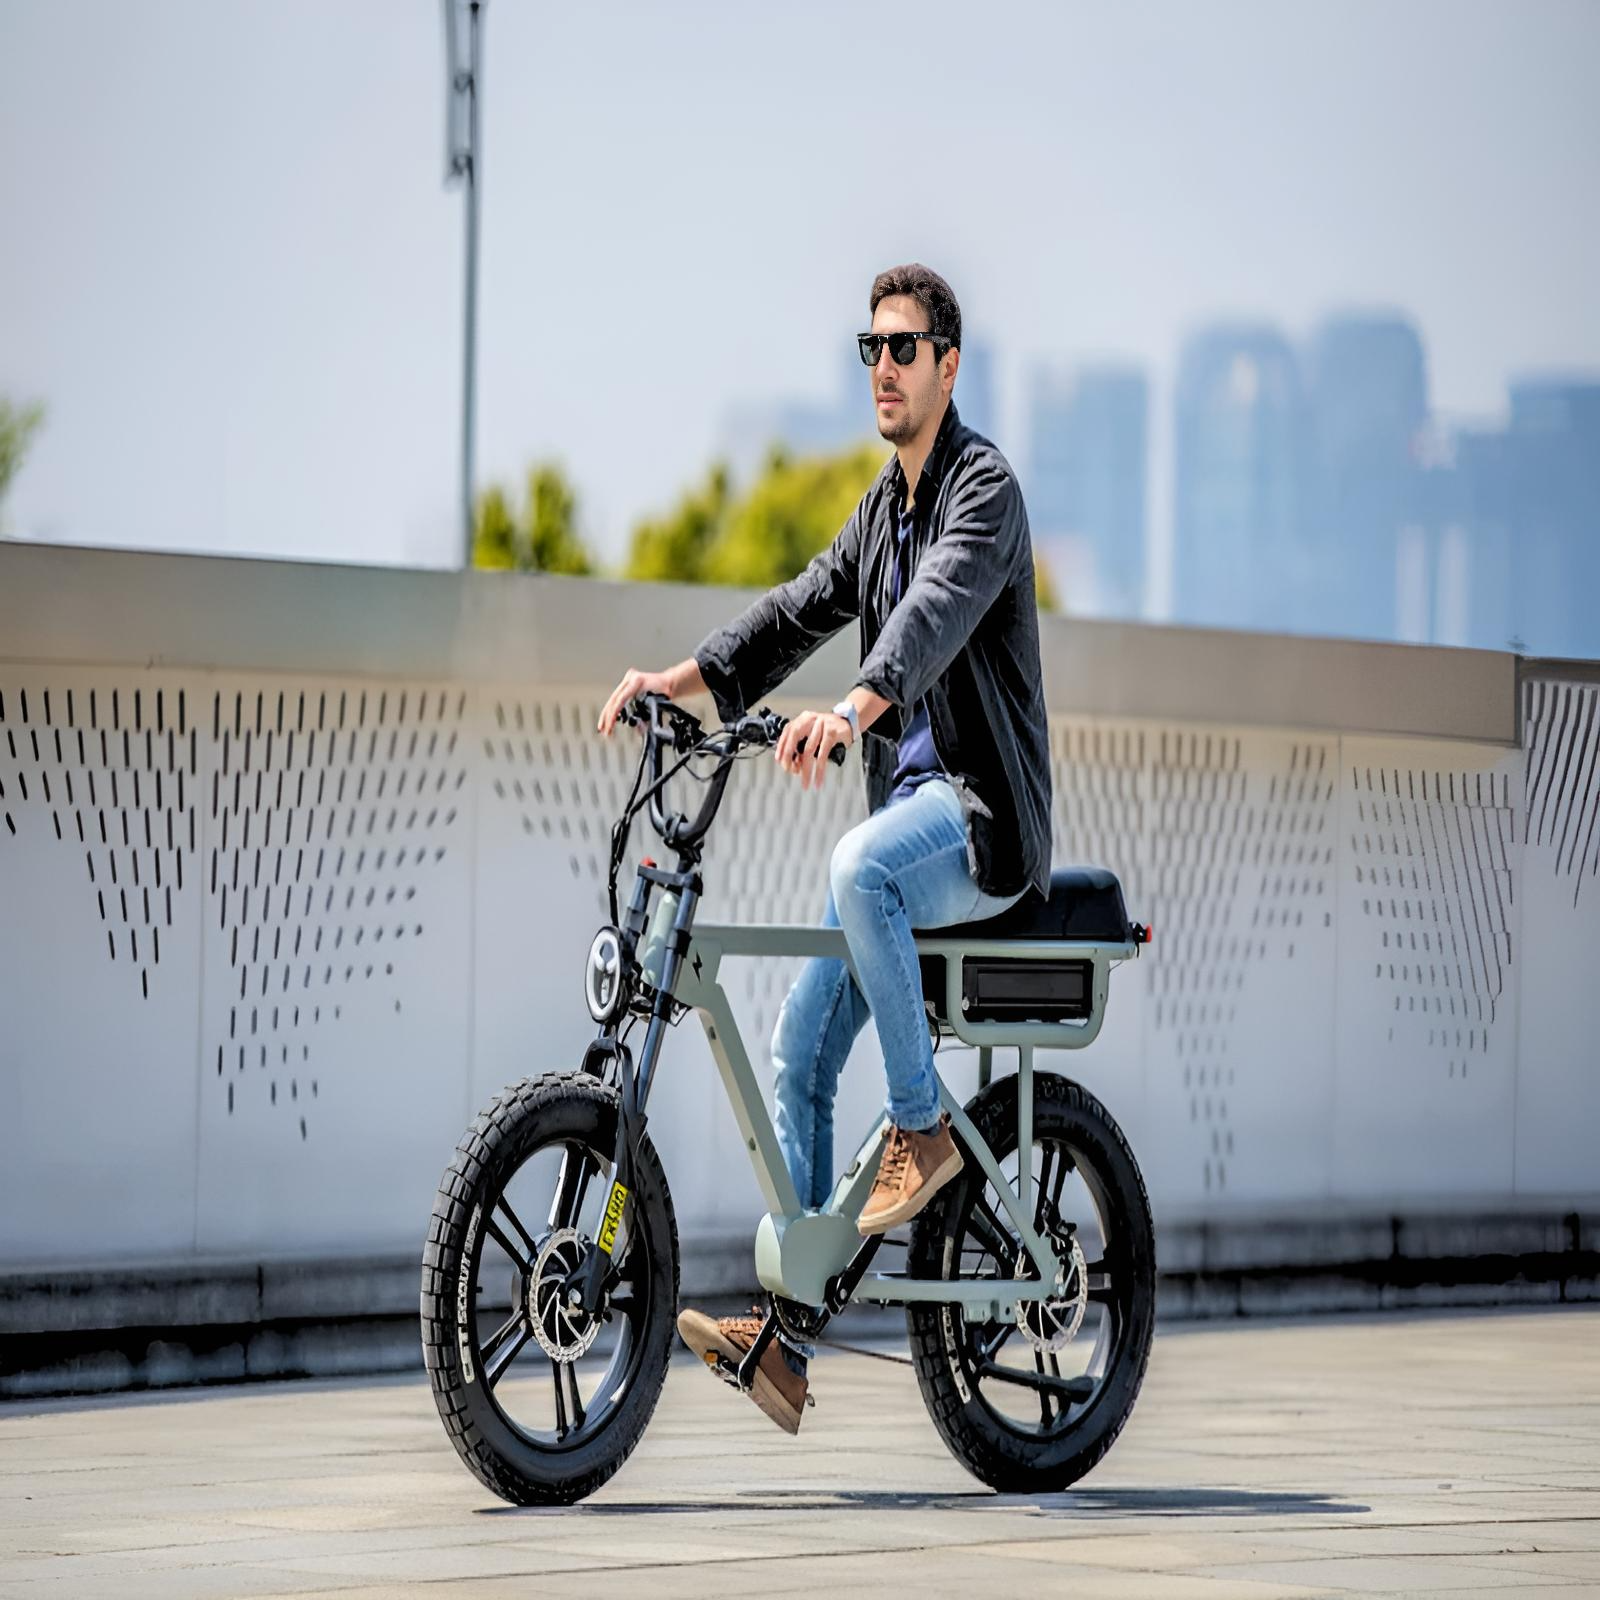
column 965, row 635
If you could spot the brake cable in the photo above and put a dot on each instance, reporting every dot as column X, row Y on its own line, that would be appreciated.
column 708, row 744
column 637, row 801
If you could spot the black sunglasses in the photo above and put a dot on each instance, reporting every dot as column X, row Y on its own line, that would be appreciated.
column 902, row 347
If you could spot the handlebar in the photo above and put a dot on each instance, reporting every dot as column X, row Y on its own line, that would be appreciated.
column 766, row 727
column 666, row 723
column 763, row 727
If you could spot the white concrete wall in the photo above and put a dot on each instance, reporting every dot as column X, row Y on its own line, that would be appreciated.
column 269, row 936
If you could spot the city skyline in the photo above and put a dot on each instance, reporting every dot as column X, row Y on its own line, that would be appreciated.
column 256, row 348
column 1316, row 487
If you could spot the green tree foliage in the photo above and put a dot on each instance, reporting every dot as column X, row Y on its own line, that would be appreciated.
column 794, row 509
column 1044, row 586
column 672, row 549
column 17, row 427
column 553, row 524
column 541, row 536
column 495, row 539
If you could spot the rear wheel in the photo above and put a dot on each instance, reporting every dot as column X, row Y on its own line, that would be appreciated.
column 542, row 1401
column 1031, row 1404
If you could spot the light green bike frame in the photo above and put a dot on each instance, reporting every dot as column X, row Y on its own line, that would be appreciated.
column 798, row 1251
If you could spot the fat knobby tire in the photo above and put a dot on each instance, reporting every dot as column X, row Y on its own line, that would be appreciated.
column 1005, row 1457
column 526, row 1115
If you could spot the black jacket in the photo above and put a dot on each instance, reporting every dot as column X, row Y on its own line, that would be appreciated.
column 965, row 634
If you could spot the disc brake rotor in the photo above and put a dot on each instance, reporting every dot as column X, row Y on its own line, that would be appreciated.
column 1048, row 1325
column 564, row 1332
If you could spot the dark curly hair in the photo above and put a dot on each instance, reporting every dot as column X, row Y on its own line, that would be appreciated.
column 929, row 290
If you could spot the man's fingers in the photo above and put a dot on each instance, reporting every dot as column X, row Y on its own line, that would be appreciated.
column 609, row 711
column 820, row 756
column 810, row 765
column 826, row 750
column 788, row 741
column 802, row 736
column 619, row 698
column 628, row 688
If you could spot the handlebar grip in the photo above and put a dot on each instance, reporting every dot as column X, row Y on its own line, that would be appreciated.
column 835, row 755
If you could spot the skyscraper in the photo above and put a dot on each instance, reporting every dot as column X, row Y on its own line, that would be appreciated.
column 1554, row 466
column 1513, row 527
column 1237, row 449
column 1085, row 483
column 1367, row 405
column 1465, row 501
column 975, row 393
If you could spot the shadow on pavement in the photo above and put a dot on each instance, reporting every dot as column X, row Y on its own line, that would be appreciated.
column 1075, row 1502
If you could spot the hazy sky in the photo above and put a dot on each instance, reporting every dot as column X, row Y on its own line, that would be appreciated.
column 229, row 266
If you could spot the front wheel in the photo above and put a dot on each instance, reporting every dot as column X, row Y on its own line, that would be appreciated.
column 542, row 1401
column 1031, row 1404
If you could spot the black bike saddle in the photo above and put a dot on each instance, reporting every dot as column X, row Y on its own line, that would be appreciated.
column 1085, row 903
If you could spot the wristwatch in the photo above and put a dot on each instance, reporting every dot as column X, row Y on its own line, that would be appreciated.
column 847, row 710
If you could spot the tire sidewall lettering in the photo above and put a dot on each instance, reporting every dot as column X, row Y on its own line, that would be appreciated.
column 464, row 1294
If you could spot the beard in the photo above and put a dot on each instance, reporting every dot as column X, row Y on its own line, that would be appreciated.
column 903, row 425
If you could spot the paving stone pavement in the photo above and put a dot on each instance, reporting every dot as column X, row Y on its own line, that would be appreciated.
column 1410, row 1454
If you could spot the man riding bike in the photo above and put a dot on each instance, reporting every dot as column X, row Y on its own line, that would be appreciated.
column 936, row 562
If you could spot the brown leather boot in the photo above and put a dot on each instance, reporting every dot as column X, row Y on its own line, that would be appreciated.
column 778, row 1391
column 915, row 1166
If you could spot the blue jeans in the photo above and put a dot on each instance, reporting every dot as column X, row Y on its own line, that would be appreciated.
column 905, row 867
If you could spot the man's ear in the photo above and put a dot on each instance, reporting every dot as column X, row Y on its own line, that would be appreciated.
column 952, row 359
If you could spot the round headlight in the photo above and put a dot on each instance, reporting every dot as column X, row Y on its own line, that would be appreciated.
column 603, row 987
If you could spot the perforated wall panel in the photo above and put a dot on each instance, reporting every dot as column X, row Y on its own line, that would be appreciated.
column 268, row 941
column 1556, row 992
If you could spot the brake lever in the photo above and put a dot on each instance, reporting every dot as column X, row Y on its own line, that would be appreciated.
column 773, row 723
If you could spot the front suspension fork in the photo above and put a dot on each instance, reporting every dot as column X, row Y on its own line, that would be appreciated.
column 599, row 1272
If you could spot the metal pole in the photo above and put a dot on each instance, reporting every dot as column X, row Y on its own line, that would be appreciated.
column 473, row 172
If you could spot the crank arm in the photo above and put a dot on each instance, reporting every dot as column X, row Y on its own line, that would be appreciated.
column 745, row 1377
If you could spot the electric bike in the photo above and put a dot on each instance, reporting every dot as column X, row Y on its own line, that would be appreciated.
column 550, row 1271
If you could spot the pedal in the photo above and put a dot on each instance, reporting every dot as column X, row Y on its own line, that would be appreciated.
column 721, row 1367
